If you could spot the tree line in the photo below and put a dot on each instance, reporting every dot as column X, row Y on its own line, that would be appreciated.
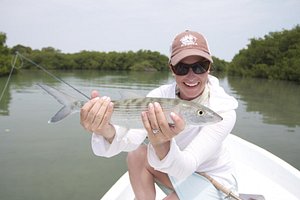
column 4, row 56
column 276, row 56
column 51, row 58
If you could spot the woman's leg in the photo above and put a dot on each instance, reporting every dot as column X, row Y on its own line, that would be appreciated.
column 142, row 175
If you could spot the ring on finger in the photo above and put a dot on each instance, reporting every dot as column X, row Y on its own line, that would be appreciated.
column 155, row 131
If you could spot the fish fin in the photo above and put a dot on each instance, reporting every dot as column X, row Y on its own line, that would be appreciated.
column 61, row 97
column 66, row 100
column 61, row 114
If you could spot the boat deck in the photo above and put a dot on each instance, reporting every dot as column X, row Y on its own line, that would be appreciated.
column 258, row 172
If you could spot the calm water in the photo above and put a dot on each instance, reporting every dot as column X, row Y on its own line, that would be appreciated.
column 54, row 161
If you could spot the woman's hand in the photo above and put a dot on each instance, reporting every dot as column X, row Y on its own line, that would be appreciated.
column 95, row 116
column 159, row 131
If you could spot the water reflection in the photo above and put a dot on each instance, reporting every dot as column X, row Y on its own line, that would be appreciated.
column 277, row 101
column 6, row 98
column 124, row 80
column 32, row 151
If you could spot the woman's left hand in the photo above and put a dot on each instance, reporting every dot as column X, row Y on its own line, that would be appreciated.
column 157, row 126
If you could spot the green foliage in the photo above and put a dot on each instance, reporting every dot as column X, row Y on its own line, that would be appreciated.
column 219, row 65
column 21, row 49
column 276, row 56
column 143, row 66
column 51, row 58
column 5, row 57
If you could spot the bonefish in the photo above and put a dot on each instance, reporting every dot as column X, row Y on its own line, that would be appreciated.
column 127, row 112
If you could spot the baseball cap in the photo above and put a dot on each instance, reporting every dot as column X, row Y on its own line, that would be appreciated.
column 189, row 43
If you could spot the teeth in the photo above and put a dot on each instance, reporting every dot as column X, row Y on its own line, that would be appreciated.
column 191, row 84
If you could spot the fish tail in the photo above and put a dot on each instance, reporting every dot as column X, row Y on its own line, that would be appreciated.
column 61, row 114
column 64, row 99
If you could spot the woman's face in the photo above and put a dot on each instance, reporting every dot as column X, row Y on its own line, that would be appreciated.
column 191, row 85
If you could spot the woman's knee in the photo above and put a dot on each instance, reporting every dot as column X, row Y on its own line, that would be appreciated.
column 137, row 156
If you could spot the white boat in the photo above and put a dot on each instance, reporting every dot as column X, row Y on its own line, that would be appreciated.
column 258, row 172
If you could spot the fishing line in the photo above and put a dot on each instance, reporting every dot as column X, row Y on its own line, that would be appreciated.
column 13, row 63
column 50, row 74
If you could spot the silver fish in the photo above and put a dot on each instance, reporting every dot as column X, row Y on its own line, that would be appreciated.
column 127, row 112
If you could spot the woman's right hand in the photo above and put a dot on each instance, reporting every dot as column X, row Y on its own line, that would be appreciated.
column 96, row 114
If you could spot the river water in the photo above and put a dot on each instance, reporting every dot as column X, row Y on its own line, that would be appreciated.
column 54, row 161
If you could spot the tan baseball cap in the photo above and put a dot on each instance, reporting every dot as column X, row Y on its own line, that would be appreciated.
column 189, row 43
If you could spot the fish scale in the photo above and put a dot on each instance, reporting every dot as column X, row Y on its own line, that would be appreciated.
column 142, row 103
column 132, row 108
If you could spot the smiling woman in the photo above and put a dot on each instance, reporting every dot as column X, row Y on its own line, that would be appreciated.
column 190, row 84
column 176, row 152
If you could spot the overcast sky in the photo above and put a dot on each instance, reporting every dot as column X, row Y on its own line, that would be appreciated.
column 123, row 25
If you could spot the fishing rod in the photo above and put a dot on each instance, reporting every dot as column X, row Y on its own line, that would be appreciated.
column 220, row 187
column 50, row 74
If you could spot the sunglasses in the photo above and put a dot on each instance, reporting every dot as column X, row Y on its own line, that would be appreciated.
column 182, row 69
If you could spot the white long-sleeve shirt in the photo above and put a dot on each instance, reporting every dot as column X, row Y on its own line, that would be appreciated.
column 195, row 149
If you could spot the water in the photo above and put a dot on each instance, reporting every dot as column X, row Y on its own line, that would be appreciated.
column 54, row 161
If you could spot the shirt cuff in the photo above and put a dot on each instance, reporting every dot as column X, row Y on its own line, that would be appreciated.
column 101, row 147
column 166, row 163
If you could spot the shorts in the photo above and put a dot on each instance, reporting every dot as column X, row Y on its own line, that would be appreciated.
column 196, row 187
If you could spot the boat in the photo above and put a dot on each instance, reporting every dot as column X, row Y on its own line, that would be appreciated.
column 259, row 173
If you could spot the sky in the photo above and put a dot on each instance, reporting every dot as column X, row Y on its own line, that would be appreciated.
column 123, row 25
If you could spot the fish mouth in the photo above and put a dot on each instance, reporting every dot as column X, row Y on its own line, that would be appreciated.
column 191, row 84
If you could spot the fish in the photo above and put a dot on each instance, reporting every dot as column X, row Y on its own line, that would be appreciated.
column 127, row 112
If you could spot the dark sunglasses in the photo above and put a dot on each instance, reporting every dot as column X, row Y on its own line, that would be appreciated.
column 182, row 69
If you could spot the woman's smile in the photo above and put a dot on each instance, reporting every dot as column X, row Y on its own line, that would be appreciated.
column 191, row 84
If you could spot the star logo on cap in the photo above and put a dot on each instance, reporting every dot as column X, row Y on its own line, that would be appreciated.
column 188, row 40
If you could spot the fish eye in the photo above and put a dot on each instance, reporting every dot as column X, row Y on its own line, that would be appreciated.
column 200, row 112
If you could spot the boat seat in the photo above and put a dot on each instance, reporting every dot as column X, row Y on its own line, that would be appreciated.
column 251, row 197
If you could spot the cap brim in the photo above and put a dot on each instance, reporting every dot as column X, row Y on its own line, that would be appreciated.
column 189, row 52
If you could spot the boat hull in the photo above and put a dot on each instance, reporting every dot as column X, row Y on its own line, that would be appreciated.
column 258, row 172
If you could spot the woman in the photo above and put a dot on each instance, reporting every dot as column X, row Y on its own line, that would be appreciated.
column 175, row 154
